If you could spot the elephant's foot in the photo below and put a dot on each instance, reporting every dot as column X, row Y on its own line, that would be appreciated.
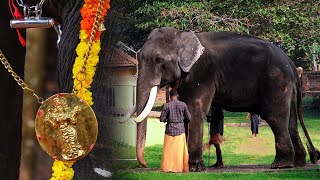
column 218, row 165
column 299, row 162
column 281, row 165
column 196, row 166
column 300, row 154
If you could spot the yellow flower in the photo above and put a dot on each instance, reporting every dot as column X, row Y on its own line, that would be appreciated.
column 96, row 47
column 78, row 64
column 83, row 80
column 62, row 170
column 93, row 61
column 83, row 35
column 81, row 48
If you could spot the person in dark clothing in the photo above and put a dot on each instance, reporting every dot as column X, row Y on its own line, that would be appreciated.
column 216, row 121
column 175, row 156
column 216, row 132
column 255, row 121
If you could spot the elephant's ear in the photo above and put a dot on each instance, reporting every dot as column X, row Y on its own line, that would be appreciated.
column 190, row 50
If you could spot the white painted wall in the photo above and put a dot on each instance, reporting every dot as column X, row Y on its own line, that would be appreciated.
column 126, row 132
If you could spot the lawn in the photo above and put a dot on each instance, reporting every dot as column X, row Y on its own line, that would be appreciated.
column 239, row 148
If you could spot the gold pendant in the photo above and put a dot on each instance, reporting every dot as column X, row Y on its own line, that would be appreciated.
column 66, row 127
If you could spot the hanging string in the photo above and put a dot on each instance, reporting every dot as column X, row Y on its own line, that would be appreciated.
column 17, row 15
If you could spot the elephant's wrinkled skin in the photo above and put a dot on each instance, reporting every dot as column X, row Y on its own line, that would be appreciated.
column 237, row 72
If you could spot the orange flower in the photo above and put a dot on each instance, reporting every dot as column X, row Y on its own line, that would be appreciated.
column 88, row 14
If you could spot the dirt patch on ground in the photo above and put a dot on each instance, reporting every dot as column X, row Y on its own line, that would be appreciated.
column 254, row 146
column 242, row 124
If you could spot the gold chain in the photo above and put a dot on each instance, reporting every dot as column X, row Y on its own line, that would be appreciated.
column 24, row 86
column 95, row 28
column 17, row 78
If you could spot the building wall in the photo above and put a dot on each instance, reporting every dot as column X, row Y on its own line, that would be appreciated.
column 126, row 133
column 311, row 81
column 120, row 87
column 123, row 81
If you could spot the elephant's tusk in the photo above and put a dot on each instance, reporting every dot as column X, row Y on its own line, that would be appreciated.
column 148, row 107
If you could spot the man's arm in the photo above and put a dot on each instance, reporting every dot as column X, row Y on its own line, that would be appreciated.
column 164, row 113
column 187, row 115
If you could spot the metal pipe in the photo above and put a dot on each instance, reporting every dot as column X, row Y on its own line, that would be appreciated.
column 32, row 22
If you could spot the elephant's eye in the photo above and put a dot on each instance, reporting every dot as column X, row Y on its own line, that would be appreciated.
column 159, row 60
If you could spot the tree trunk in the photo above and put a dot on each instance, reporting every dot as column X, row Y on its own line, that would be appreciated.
column 34, row 70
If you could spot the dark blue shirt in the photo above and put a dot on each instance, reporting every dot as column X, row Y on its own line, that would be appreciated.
column 175, row 113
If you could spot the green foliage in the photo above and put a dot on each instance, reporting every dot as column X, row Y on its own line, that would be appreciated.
column 192, row 15
column 315, row 105
column 122, row 20
column 296, row 24
column 311, row 106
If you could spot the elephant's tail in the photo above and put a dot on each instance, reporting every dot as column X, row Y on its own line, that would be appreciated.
column 313, row 152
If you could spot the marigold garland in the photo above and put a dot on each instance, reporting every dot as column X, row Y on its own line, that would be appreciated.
column 83, row 79
column 62, row 170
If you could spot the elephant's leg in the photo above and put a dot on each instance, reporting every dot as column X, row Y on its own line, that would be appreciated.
column 275, row 109
column 195, row 136
column 284, row 148
column 216, row 141
column 300, row 153
column 219, row 163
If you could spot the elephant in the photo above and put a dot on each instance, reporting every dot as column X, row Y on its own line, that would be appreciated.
column 235, row 71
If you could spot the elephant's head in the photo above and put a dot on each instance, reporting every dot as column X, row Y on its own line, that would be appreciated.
column 165, row 55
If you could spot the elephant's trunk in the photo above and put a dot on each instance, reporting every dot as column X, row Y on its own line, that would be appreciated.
column 143, row 93
column 141, row 140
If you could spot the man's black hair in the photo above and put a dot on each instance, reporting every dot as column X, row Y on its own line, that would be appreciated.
column 173, row 93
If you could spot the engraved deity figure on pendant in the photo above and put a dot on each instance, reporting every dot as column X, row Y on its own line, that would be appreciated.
column 63, row 119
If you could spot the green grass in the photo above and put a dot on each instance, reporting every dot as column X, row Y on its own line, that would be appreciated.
column 314, row 174
column 235, row 117
column 238, row 148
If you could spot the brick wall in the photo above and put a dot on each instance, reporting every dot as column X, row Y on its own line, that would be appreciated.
column 161, row 96
column 311, row 81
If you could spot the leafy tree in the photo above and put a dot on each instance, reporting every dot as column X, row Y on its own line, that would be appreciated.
column 293, row 23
